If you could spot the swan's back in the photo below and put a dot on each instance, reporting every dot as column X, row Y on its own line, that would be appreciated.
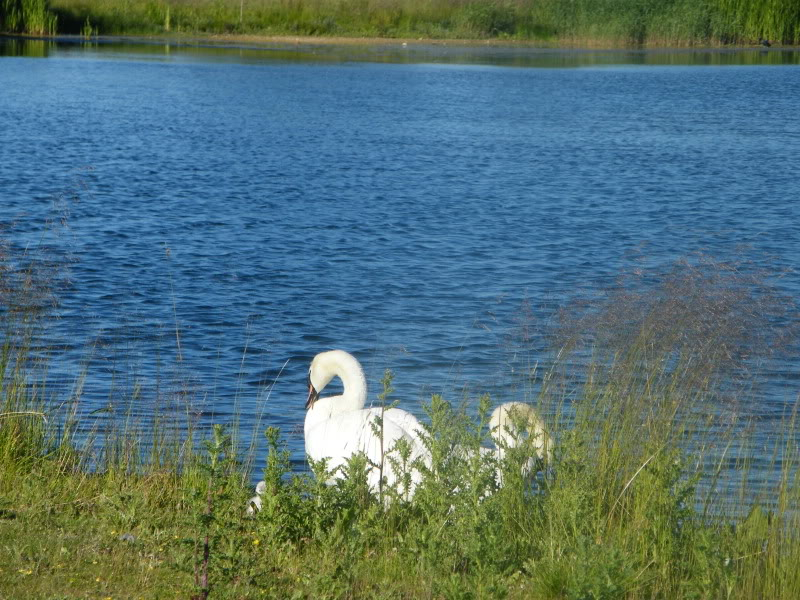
column 345, row 434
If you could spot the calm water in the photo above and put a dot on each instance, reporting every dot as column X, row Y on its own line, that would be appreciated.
column 401, row 204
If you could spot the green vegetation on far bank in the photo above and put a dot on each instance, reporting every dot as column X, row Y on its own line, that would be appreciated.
column 577, row 22
column 652, row 491
column 27, row 16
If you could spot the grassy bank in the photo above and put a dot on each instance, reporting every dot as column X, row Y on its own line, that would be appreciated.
column 652, row 490
column 579, row 22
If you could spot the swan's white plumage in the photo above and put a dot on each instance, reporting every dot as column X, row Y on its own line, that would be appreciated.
column 254, row 504
column 337, row 427
column 513, row 424
column 513, row 420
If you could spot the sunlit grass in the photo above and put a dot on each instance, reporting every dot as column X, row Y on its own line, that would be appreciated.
column 614, row 516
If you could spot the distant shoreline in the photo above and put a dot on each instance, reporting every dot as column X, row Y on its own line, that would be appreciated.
column 581, row 24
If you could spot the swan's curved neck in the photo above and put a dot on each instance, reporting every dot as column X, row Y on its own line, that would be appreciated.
column 350, row 372
column 512, row 420
column 501, row 425
column 338, row 363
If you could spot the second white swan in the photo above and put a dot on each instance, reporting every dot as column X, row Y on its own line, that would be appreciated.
column 513, row 424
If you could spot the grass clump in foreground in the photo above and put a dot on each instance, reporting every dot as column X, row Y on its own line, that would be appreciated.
column 647, row 494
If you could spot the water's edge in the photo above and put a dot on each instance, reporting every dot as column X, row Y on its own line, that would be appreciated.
column 389, row 50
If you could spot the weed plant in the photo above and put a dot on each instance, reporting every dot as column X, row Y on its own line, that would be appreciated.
column 640, row 399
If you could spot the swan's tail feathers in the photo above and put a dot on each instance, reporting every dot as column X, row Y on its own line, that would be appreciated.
column 515, row 423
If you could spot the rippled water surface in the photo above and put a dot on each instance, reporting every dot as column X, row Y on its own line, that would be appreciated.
column 403, row 204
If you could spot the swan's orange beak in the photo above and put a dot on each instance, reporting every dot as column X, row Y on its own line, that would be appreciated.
column 313, row 396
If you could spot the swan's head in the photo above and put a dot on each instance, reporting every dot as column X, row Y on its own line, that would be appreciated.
column 514, row 422
column 313, row 391
column 337, row 363
column 323, row 368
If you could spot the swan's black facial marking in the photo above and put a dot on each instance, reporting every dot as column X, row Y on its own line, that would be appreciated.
column 313, row 394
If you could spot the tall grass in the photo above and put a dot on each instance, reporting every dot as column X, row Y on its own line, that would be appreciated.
column 649, row 493
column 582, row 22
column 771, row 19
column 27, row 16
column 601, row 22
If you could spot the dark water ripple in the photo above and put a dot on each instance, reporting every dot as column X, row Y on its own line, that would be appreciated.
column 405, row 211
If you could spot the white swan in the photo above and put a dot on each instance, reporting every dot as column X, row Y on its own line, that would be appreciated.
column 337, row 427
column 254, row 504
column 513, row 424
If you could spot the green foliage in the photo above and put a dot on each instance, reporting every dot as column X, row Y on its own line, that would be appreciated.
column 738, row 20
column 486, row 18
column 608, row 22
column 27, row 16
column 670, row 22
column 88, row 31
column 596, row 524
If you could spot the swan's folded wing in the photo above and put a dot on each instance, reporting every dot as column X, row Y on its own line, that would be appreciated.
column 344, row 435
column 405, row 421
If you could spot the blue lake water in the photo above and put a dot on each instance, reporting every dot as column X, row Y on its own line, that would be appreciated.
column 403, row 204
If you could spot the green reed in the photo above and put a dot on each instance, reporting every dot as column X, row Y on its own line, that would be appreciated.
column 777, row 20
column 27, row 16
column 583, row 22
